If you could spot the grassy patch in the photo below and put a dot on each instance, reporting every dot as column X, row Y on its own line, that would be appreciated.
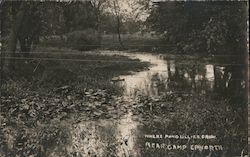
column 110, row 42
column 138, row 42
column 52, row 68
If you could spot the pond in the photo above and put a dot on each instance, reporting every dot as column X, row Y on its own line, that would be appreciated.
column 173, row 83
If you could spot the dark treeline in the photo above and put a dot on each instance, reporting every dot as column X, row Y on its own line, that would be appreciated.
column 31, row 20
column 197, row 27
column 25, row 24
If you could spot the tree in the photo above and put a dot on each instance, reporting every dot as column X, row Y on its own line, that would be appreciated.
column 194, row 27
column 16, row 14
column 117, row 12
column 30, row 27
column 77, row 13
column 98, row 9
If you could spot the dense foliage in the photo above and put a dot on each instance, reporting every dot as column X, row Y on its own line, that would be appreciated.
column 197, row 27
column 83, row 40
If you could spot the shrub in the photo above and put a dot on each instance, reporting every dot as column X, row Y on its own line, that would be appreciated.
column 83, row 40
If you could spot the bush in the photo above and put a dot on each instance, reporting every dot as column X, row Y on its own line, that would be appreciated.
column 83, row 40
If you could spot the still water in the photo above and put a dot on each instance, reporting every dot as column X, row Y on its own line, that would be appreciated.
column 167, row 74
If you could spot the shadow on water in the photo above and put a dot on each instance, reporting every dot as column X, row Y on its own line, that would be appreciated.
column 175, row 97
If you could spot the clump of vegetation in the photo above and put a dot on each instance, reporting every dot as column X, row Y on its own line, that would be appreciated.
column 38, row 141
column 191, row 114
column 83, row 40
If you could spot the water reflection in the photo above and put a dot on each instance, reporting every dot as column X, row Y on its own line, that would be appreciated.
column 168, row 75
column 145, row 82
column 123, row 137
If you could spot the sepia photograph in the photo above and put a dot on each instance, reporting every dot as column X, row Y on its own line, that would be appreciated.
column 124, row 78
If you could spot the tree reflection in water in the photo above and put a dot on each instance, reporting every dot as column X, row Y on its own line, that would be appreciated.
column 219, row 88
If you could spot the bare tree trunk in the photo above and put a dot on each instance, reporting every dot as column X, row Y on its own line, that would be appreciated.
column 99, row 29
column 11, row 48
column 98, row 8
column 116, row 7
column 119, row 31
column 12, row 41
